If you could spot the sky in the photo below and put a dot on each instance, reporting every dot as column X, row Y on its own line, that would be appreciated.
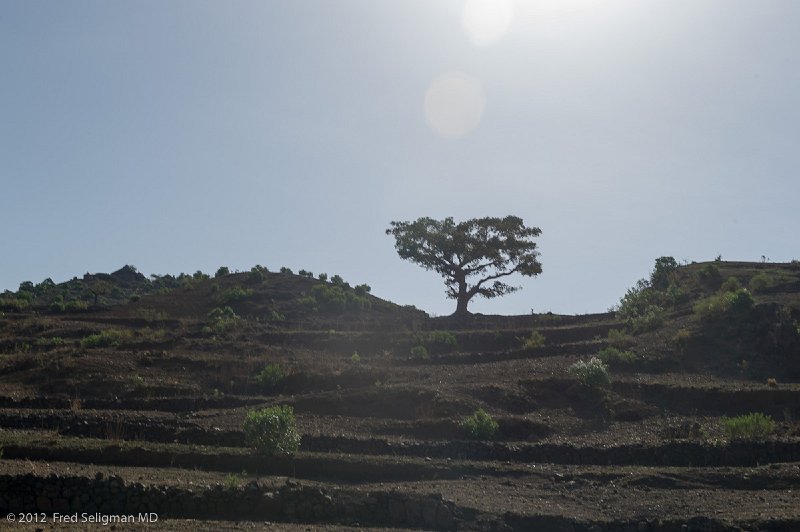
column 181, row 135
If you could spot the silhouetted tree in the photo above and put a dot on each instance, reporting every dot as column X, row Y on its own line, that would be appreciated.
column 470, row 255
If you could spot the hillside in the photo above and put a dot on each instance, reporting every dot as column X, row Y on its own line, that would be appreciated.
column 121, row 394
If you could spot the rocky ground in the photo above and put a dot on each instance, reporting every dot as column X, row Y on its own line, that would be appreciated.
column 152, row 422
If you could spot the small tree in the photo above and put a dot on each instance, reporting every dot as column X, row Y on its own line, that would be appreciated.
column 271, row 430
column 470, row 255
column 480, row 426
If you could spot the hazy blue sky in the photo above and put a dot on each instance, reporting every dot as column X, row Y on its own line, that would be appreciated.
column 185, row 135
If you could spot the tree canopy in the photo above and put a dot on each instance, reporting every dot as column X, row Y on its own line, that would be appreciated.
column 471, row 255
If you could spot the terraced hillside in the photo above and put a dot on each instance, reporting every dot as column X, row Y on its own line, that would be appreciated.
column 136, row 405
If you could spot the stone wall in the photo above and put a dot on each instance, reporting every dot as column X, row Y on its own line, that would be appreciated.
column 291, row 502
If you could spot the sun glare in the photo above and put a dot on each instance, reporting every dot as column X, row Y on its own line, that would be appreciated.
column 486, row 21
column 454, row 104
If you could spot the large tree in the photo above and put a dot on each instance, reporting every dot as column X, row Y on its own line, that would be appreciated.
column 470, row 255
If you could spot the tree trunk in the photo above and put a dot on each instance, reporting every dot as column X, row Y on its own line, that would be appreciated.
column 461, row 305
column 463, row 296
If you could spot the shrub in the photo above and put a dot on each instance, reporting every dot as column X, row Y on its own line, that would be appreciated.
column 338, row 298
column 275, row 315
column 536, row 339
column 619, row 339
column 709, row 275
column 270, row 376
column 256, row 275
column 109, row 338
column 663, row 273
column 731, row 284
column 286, row 270
column 441, row 338
column 640, row 308
column 53, row 341
column 362, row 289
column 480, row 426
column 323, row 277
column 271, row 431
column 305, row 273
column 236, row 293
column 222, row 313
column 222, row 318
column 652, row 318
column 76, row 305
column 615, row 357
column 761, row 282
column 222, row 272
column 15, row 303
column 420, row 352
column 748, row 427
column 593, row 373
column 355, row 358
column 724, row 305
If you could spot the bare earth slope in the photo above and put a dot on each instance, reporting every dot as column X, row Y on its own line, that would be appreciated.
column 126, row 408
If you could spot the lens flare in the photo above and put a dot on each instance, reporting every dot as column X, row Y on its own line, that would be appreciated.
column 454, row 104
column 486, row 21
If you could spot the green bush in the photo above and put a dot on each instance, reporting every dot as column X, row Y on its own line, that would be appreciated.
column 236, row 293
column 323, row 277
column 536, row 339
column 752, row 426
column 612, row 356
column 761, row 282
column 15, row 303
column 724, row 305
column 271, row 431
column 338, row 298
column 663, row 274
column 709, row 275
column 420, row 352
column 256, row 275
column 480, row 426
column 641, row 308
column 53, row 341
column 593, row 373
column 362, row 289
column 441, row 338
column 108, row 338
column 286, row 270
column 651, row 319
column 76, row 305
column 222, row 318
column 222, row 313
column 731, row 284
column 222, row 272
column 270, row 376
column 619, row 339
